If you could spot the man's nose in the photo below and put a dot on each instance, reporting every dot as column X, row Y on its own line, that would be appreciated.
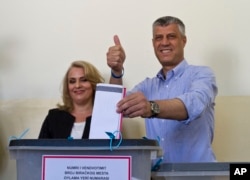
column 165, row 41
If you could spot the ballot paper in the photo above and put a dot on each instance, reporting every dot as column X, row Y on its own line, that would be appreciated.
column 104, row 115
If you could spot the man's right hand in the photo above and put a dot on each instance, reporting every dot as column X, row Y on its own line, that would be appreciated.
column 116, row 57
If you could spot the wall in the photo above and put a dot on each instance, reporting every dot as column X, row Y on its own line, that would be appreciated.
column 39, row 39
column 231, row 142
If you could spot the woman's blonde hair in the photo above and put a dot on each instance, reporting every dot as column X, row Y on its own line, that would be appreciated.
column 91, row 74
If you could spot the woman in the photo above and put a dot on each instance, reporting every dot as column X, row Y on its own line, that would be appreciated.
column 72, row 119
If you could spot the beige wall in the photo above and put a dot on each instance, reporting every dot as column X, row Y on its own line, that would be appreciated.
column 232, row 128
column 39, row 39
column 231, row 142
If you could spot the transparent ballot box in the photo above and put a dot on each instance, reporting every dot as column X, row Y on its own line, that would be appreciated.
column 93, row 159
column 193, row 171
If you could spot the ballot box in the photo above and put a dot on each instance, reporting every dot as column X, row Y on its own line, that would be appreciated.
column 193, row 171
column 94, row 159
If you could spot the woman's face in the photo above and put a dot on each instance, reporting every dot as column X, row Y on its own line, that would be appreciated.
column 80, row 89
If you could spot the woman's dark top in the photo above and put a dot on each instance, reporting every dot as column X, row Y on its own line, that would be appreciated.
column 58, row 125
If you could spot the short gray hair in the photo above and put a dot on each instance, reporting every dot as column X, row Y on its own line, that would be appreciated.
column 167, row 20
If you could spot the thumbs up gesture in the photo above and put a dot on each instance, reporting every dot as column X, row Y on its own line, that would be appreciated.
column 116, row 56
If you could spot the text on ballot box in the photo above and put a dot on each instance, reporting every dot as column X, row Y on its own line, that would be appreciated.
column 240, row 171
column 84, row 167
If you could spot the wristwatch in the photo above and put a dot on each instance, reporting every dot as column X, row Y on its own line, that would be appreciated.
column 155, row 109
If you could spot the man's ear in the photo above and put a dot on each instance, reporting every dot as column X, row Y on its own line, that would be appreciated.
column 184, row 40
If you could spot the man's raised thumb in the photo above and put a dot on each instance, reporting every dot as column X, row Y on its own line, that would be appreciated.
column 117, row 40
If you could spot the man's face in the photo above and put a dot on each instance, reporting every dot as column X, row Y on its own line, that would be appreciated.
column 168, row 45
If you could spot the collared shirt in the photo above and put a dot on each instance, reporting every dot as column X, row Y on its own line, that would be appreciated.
column 188, row 140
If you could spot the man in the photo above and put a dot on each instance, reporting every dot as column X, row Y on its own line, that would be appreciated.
column 177, row 104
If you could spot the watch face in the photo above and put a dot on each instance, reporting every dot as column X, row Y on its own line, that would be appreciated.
column 154, row 108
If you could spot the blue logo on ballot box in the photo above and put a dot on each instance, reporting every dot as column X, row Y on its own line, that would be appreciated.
column 240, row 171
